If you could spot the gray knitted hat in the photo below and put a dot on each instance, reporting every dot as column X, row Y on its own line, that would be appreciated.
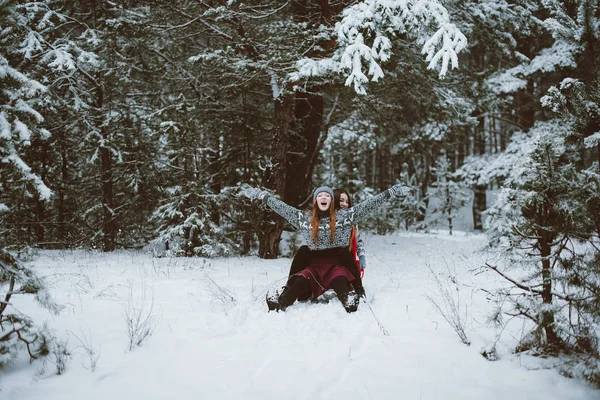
column 325, row 189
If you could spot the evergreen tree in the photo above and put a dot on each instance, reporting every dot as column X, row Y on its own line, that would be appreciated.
column 449, row 192
column 20, row 126
column 546, row 218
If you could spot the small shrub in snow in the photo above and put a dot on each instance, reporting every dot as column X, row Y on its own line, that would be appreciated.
column 220, row 293
column 139, row 317
column 58, row 354
column 85, row 344
column 449, row 303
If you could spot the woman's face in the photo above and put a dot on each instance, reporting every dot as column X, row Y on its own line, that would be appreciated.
column 344, row 201
column 323, row 201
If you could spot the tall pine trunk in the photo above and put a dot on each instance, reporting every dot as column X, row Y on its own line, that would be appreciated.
column 270, row 231
column 292, row 175
column 479, row 205
column 40, row 209
column 547, row 315
column 61, row 231
column 109, row 223
column 308, row 113
column 479, row 199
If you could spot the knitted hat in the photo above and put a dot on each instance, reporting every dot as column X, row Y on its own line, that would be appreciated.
column 325, row 189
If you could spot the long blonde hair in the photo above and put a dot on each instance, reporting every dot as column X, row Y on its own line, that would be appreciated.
column 315, row 221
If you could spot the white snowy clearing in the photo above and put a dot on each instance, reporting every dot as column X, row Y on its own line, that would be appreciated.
column 214, row 339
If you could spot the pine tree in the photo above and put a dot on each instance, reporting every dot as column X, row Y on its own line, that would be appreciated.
column 547, row 215
column 450, row 193
column 20, row 125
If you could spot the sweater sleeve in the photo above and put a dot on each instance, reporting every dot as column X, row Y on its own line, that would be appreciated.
column 291, row 214
column 363, row 209
column 360, row 245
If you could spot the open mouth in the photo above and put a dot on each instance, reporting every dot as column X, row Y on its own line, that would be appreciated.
column 324, row 203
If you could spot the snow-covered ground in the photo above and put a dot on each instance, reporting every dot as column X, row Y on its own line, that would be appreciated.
column 213, row 338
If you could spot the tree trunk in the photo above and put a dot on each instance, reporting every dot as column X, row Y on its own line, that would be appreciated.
column 61, row 197
column 308, row 113
column 479, row 200
column 526, row 106
column 449, row 209
column 269, row 234
column 215, row 179
column 547, row 315
column 39, row 206
column 426, row 176
column 479, row 205
column 39, row 227
column 109, row 226
column 109, row 223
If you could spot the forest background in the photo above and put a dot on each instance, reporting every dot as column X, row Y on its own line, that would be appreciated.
column 126, row 122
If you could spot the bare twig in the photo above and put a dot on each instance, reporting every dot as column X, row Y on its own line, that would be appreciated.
column 140, row 321
column 535, row 291
column 450, row 308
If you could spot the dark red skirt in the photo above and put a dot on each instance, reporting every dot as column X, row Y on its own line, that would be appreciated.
column 322, row 271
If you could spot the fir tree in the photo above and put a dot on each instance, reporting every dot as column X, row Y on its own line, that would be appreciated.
column 20, row 125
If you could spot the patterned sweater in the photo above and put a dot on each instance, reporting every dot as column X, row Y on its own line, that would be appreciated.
column 360, row 245
column 344, row 219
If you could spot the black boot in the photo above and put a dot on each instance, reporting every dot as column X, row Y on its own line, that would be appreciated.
column 348, row 298
column 276, row 301
column 350, row 301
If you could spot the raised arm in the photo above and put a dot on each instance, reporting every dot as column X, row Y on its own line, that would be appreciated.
column 363, row 209
column 291, row 214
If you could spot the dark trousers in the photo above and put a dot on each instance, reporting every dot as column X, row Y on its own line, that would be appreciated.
column 303, row 258
column 300, row 290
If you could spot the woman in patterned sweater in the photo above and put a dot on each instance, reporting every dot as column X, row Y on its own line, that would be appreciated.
column 327, row 233
column 356, row 245
column 354, row 260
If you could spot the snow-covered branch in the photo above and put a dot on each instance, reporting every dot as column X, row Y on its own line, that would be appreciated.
column 366, row 31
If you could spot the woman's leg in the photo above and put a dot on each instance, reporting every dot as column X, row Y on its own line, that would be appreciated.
column 300, row 261
column 348, row 262
column 349, row 299
column 299, row 289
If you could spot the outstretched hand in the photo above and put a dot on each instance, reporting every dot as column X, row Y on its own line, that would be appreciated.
column 254, row 193
column 400, row 190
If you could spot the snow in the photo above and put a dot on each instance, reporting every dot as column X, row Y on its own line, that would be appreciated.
column 26, row 108
column 43, row 191
column 5, row 131
column 214, row 339
column 592, row 140
column 560, row 55
column 24, row 134
column 507, row 81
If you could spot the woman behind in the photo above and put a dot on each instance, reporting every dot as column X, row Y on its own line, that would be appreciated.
column 356, row 246
column 327, row 233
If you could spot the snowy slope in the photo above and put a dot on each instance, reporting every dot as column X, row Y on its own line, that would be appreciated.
column 215, row 340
